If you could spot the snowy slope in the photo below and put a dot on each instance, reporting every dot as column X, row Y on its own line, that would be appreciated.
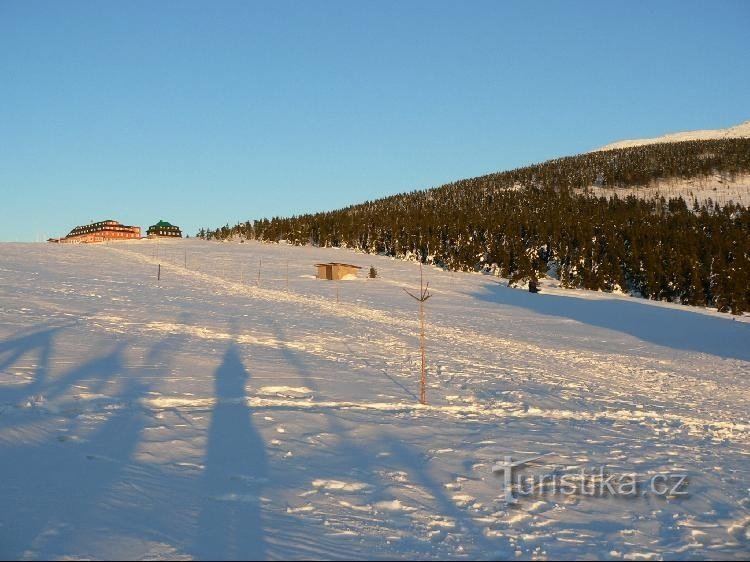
column 220, row 415
column 741, row 130
column 719, row 188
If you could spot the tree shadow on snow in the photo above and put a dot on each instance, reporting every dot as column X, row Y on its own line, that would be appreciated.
column 670, row 327
column 12, row 351
column 85, row 479
column 70, row 477
column 354, row 455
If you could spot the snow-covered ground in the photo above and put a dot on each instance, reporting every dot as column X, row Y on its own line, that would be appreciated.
column 223, row 414
column 719, row 188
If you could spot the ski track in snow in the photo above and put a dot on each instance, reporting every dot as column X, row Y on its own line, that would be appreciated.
column 209, row 417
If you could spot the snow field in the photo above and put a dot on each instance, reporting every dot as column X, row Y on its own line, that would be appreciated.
column 214, row 416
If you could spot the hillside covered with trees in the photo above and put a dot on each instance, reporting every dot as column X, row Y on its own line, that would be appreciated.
column 526, row 223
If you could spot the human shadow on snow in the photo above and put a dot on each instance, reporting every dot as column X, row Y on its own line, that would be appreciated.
column 230, row 524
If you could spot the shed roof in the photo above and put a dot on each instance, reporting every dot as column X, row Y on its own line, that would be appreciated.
column 338, row 263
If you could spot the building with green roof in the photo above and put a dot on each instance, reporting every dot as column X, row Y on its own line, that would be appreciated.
column 164, row 229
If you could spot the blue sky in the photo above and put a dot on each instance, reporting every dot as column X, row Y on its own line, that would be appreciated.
column 203, row 113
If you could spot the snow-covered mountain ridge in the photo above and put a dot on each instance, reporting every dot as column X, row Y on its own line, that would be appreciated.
column 738, row 131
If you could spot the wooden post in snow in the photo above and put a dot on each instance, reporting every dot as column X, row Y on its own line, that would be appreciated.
column 424, row 294
column 260, row 266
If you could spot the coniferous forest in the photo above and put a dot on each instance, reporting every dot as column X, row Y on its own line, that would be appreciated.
column 537, row 220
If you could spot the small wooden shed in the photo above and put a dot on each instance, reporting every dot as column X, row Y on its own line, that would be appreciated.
column 336, row 271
